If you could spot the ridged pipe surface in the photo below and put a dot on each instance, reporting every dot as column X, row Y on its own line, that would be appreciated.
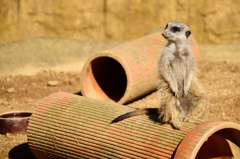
column 70, row 126
column 126, row 72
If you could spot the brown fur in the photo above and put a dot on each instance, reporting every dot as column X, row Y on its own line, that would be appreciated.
column 182, row 97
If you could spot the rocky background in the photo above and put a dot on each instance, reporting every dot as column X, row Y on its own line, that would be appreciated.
column 215, row 21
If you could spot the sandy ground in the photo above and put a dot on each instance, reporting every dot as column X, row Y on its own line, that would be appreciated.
column 218, row 71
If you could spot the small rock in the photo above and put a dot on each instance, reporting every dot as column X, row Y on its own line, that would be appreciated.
column 5, row 103
column 66, row 81
column 1, row 101
column 10, row 90
column 72, row 82
column 52, row 83
column 223, row 113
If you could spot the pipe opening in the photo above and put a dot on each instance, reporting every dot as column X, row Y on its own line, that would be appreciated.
column 222, row 144
column 15, row 115
column 110, row 76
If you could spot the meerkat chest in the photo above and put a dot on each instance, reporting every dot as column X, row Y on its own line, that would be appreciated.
column 179, row 64
column 178, row 67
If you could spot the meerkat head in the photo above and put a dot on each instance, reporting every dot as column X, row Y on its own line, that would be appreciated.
column 176, row 32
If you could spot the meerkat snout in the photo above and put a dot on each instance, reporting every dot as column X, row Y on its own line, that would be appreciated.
column 163, row 35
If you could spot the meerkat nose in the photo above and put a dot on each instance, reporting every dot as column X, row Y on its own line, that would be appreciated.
column 163, row 35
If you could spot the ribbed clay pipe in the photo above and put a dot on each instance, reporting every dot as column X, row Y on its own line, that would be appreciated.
column 70, row 126
column 125, row 72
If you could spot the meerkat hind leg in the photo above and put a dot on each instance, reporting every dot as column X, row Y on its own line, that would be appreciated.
column 198, row 104
column 170, row 111
column 200, row 110
column 175, row 120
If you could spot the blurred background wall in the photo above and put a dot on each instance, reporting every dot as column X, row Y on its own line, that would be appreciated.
column 211, row 21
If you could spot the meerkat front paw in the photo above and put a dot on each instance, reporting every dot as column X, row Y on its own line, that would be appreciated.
column 176, row 124
column 185, row 90
column 176, row 93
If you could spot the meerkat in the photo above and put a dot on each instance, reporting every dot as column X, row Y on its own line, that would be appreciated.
column 182, row 97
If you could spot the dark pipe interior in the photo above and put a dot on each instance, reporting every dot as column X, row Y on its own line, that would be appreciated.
column 110, row 76
column 217, row 146
column 16, row 115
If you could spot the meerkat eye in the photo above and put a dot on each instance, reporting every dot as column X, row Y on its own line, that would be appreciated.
column 188, row 33
column 166, row 26
column 175, row 29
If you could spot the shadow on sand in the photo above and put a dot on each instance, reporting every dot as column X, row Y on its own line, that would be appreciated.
column 21, row 151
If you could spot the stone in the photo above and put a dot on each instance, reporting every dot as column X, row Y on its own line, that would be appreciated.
column 52, row 83
column 5, row 103
column 72, row 82
column 10, row 90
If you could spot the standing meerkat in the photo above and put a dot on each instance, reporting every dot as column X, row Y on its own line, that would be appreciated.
column 182, row 97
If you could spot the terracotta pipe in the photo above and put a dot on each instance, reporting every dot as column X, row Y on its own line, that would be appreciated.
column 125, row 72
column 216, row 139
column 70, row 126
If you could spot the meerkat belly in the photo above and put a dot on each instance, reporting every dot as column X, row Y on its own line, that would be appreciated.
column 179, row 71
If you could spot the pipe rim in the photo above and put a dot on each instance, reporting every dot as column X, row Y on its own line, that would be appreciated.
column 104, row 96
column 199, row 134
column 27, row 114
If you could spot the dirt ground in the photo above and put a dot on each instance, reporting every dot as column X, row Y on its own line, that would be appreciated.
column 218, row 71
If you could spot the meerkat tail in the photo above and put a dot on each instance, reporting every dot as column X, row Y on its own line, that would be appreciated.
column 147, row 111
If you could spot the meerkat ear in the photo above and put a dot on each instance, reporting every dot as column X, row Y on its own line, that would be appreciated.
column 188, row 33
column 166, row 26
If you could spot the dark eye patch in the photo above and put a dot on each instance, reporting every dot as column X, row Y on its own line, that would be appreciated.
column 166, row 26
column 188, row 33
column 175, row 29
